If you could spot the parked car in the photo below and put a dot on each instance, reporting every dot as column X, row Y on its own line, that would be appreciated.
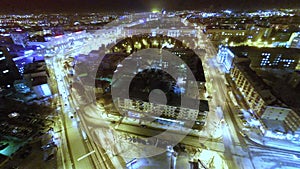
column 50, row 157
column 240, row 114
column 246, row 124
column 242, row 134
column 47, row 146
column 296, row 156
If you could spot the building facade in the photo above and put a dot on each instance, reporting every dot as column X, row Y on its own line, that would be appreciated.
column 253, row 89
column 294, row 41
column 271, row 111
column 225, row 56
column 148, row 109
column 274, row 58
column 8, row 70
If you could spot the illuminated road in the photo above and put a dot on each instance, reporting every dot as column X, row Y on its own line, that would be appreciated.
column 217, row 89
column 77, row 151
column 220, row 134
column 74, row 141
column 219, row 96
column 231, row 136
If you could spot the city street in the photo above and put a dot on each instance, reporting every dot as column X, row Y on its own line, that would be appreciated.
column 220, row 136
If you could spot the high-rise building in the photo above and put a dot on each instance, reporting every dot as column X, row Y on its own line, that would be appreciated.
column 274, row 58
column 8, row 70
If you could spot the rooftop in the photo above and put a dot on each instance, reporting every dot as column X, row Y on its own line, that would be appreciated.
column 35, row 67
column 276, row 113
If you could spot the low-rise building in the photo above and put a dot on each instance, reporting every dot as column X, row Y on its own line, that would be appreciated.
column 37, row 79
column 178, row 114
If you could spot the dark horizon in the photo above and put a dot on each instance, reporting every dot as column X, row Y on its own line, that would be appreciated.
column 73, row 6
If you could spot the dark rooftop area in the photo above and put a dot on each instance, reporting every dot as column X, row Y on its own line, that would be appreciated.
column 244, row 51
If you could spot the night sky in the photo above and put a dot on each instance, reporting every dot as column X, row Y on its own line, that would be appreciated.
column 25, row 6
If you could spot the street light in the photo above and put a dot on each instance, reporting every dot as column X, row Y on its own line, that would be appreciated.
column 86, row 155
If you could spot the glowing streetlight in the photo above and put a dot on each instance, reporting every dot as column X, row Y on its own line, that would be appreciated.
column 154, row 10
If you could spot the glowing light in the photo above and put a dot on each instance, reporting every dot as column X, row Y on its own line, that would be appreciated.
column 168, row 45
column 59, row 36
column 14, row 114
column 155, row 43
column 74, row 123
column 5, row 71
column 144, row 42
column 46, row 90
column 155, row 10
column 137, row 45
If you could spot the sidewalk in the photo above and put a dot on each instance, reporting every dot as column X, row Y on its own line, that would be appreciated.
column 274, row 143
column 117, row 161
